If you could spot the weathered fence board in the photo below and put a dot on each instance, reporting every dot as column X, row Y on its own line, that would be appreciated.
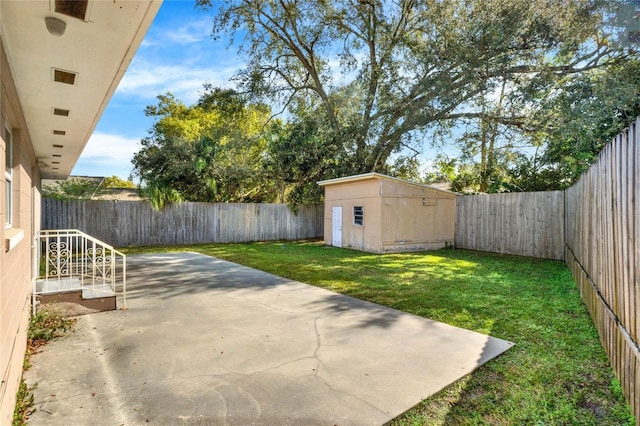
column 602, row 237
column 527, row 223
column 595, row 227
column 135, row 223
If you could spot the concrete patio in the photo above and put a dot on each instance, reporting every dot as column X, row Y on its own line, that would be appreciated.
column 206, row 341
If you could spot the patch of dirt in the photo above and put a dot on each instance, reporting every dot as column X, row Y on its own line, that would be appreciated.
column 67, row 309
column 598, row 411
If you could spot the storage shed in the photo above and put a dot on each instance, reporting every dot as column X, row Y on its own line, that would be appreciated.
column 381, row 214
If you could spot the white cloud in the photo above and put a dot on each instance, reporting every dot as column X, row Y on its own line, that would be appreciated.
column 193, row 31
column 147, row 79
column 178, row 55
column 110, row 148
column 107, row 155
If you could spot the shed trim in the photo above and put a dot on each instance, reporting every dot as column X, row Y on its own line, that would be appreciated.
column 374, row 175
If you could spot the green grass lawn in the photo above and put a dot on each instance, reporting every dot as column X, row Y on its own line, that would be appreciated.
column 557, row 374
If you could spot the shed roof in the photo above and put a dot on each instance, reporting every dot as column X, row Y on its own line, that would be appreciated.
column 374, row 175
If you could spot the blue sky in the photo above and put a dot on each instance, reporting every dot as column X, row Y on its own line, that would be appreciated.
column 177, row 55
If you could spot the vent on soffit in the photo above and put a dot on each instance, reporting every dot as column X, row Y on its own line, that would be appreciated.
column 66, row 77
column 61, row 112
column 74, row 8
column 59, row 132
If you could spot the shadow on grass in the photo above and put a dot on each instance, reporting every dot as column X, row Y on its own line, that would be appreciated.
column 557, row 373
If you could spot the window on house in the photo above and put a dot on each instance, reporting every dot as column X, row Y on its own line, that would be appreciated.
column 8, row 176
column 358, row 215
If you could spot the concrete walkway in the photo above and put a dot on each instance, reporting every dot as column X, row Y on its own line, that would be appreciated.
column 207, row 341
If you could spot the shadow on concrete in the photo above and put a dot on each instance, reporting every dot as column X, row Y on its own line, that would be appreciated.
column 206, row 341
column 166, row 276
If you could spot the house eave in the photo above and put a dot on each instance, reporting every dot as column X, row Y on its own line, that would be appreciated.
column 97, row 50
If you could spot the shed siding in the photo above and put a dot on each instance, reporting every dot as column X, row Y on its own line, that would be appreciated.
column 416, row 218
column 348, row 195
column 398, row 216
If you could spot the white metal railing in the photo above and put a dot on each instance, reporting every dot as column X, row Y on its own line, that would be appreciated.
column 68, row 259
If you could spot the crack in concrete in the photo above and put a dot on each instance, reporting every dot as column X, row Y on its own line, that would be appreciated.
column 296, row 376
column 269, row 306
column 316, row 371
column 222, row 382
column 323, row 380
column 318, row 345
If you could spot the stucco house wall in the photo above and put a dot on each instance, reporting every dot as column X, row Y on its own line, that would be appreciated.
column 398, row 215
column 47, row 115
column 15, row 256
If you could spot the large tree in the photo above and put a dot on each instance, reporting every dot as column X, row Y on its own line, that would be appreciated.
column 574, row 124
column 306, row 149
column 300, row 153
column 211, row 151
column 383, row 72
column 558, row 142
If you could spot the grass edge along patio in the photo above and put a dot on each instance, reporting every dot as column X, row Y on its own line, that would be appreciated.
column 557, row 373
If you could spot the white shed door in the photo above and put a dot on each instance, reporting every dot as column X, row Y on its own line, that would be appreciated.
column 336, row 226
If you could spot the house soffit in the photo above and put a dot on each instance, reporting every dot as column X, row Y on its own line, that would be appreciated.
column 65, row 82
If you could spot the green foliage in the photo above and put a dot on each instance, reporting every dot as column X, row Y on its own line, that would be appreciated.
column 116, row 182
column 71, row 189
column 404, row 167
column 306, row 150
column 556, row 143
column 159, row 197
column 380, row 75
column 48, row 324
column 79, row 188
column 24, row 405
column 301, row 153
column 211, row 151
column 556, row 374
column 528, row 92
column 576, row 123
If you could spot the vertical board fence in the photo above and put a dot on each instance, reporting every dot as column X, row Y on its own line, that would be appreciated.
column 595, row 227
column 135, row 223
column 523, row 223
column 603, row 253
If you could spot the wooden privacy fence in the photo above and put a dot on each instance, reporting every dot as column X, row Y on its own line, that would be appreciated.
column 595, row 227
column 603, row 252
column 525, row 223
column 135, row 223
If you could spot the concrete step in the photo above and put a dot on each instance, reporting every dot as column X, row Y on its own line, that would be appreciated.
column 92, row 299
